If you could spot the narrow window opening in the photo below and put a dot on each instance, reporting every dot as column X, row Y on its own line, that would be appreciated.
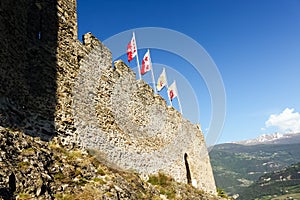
column 40, row 21
column 188, row 172
column 40, row 27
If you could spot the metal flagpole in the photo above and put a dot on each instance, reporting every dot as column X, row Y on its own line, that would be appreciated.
column 167, row 86
column 137, row 57
column 178, row 99
column 154, row 87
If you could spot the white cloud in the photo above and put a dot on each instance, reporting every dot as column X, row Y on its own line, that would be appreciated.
column 287, row 121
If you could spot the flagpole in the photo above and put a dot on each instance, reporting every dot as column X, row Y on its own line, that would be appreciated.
column 178, row 98
column 167, row 87
column 137, row 57
column 154, row 87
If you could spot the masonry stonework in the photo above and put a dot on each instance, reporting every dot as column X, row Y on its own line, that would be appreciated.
column 54, row 85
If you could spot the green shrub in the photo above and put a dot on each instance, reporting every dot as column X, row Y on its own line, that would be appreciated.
column 23, row 165
column 99, row 180
column 24, row 196
column 100, row 172
column 82, row 181
column 169, row 192
column 160, row 179
column 59, row 176
column 221, row 193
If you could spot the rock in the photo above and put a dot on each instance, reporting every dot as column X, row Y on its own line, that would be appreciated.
column 38, row 191
column 73, row 173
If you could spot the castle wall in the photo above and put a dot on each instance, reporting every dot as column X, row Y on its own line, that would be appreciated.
column 133, row 128
column 40, row 52
column 52, row 84
column 28, row 32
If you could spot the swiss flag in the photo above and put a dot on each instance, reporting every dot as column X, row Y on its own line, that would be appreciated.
column 131, row 48
column 161, row 81
column 172, row 91
column 146, row 63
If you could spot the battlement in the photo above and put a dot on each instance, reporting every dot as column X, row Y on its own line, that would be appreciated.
column 134, row 128
column 54, row 85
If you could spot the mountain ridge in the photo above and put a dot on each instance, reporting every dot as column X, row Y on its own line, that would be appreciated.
column 274, row 138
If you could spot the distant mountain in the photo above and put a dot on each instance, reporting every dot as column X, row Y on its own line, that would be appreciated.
column 276, row 138
column 236, row 166
column 283, row 184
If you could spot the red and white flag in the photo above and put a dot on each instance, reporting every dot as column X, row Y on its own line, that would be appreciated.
column 161, row 81
column 131, row 48
column 172, row 91
column 146, row 63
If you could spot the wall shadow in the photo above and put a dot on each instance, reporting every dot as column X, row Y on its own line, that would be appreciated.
column 28, row 41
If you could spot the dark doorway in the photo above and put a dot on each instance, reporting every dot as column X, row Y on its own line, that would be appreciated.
column 188, row 172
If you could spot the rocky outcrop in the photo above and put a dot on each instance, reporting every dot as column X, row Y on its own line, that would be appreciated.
column 34, row 169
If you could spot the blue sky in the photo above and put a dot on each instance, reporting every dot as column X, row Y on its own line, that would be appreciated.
column 255, row 44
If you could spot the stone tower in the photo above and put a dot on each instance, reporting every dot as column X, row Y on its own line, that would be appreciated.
column 39, row 56
column 53, row 85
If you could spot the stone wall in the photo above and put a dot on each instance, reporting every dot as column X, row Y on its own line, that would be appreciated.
column 133, row 128
column 52, row 84
column 40, row 54
column 28, row 32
